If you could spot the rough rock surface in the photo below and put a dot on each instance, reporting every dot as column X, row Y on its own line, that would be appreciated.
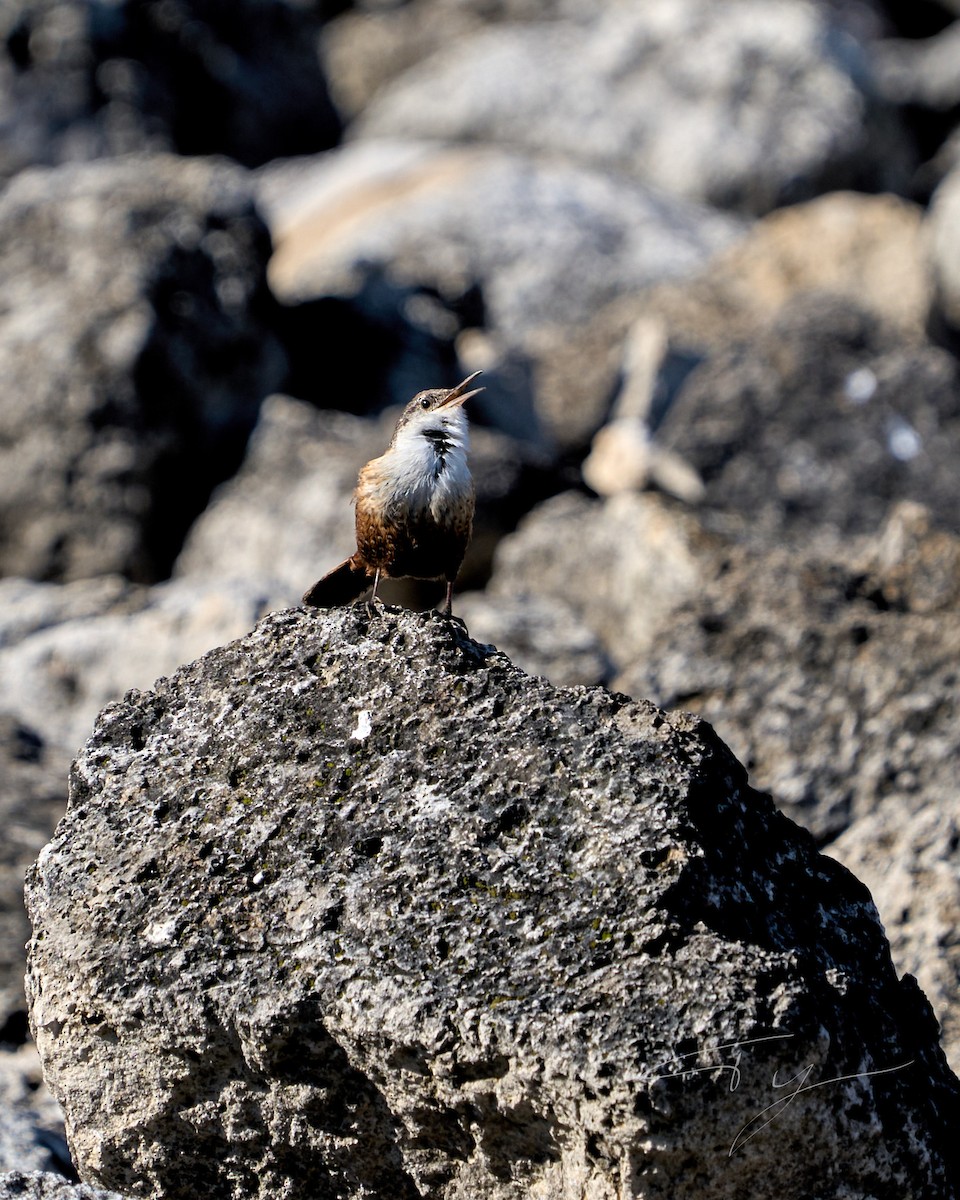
column 37, row 1185
column 65, row 651
column 135, row 352
column 352, row 907
column 828, row 667
column 744, row 104
column 834, row 684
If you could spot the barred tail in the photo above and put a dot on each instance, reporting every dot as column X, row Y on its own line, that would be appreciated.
column 340, row 586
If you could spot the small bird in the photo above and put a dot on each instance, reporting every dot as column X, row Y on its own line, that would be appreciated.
column 414, row 503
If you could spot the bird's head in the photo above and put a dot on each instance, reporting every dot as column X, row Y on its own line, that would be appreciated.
column 438, row 411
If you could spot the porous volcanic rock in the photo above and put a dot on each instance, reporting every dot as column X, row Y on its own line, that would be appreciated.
column 66, row 650
column 40, row 1185
column 353, row 907
column 135, row 350
column 828, row 666
column 830, row 669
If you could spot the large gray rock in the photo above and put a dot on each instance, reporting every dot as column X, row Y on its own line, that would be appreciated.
column 820, row 420
column 546, row 241
column 828, row 669
column 352, row 907
column 80, row 80
column 369, row 44
column 745, row 104
column 135, row 351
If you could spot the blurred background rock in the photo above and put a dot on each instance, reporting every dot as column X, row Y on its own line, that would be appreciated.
column 706, row 253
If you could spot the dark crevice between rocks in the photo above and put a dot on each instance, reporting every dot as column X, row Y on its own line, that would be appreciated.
column 199, row 383
column 272, row 102
column 378, row 346
column 15, row 1030
column 917, row 18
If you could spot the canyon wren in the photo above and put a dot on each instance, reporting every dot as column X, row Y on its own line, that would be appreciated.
column 414, row 503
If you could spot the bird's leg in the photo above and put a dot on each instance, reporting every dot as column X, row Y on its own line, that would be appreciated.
column 448, row 610
column 371, row 603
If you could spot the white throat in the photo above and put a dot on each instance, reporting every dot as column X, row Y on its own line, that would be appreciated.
column 428, row 460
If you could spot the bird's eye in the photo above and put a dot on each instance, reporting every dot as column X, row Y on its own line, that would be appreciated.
column 425, row 402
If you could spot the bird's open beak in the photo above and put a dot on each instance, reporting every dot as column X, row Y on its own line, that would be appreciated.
column 457, row 396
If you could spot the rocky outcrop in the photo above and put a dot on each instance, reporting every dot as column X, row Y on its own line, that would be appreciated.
column 827, row 666
column 353, row 907
column 741, row 104
column 135, row 350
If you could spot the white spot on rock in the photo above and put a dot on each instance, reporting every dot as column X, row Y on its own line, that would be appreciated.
column 363, row 726
column 161, row 932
